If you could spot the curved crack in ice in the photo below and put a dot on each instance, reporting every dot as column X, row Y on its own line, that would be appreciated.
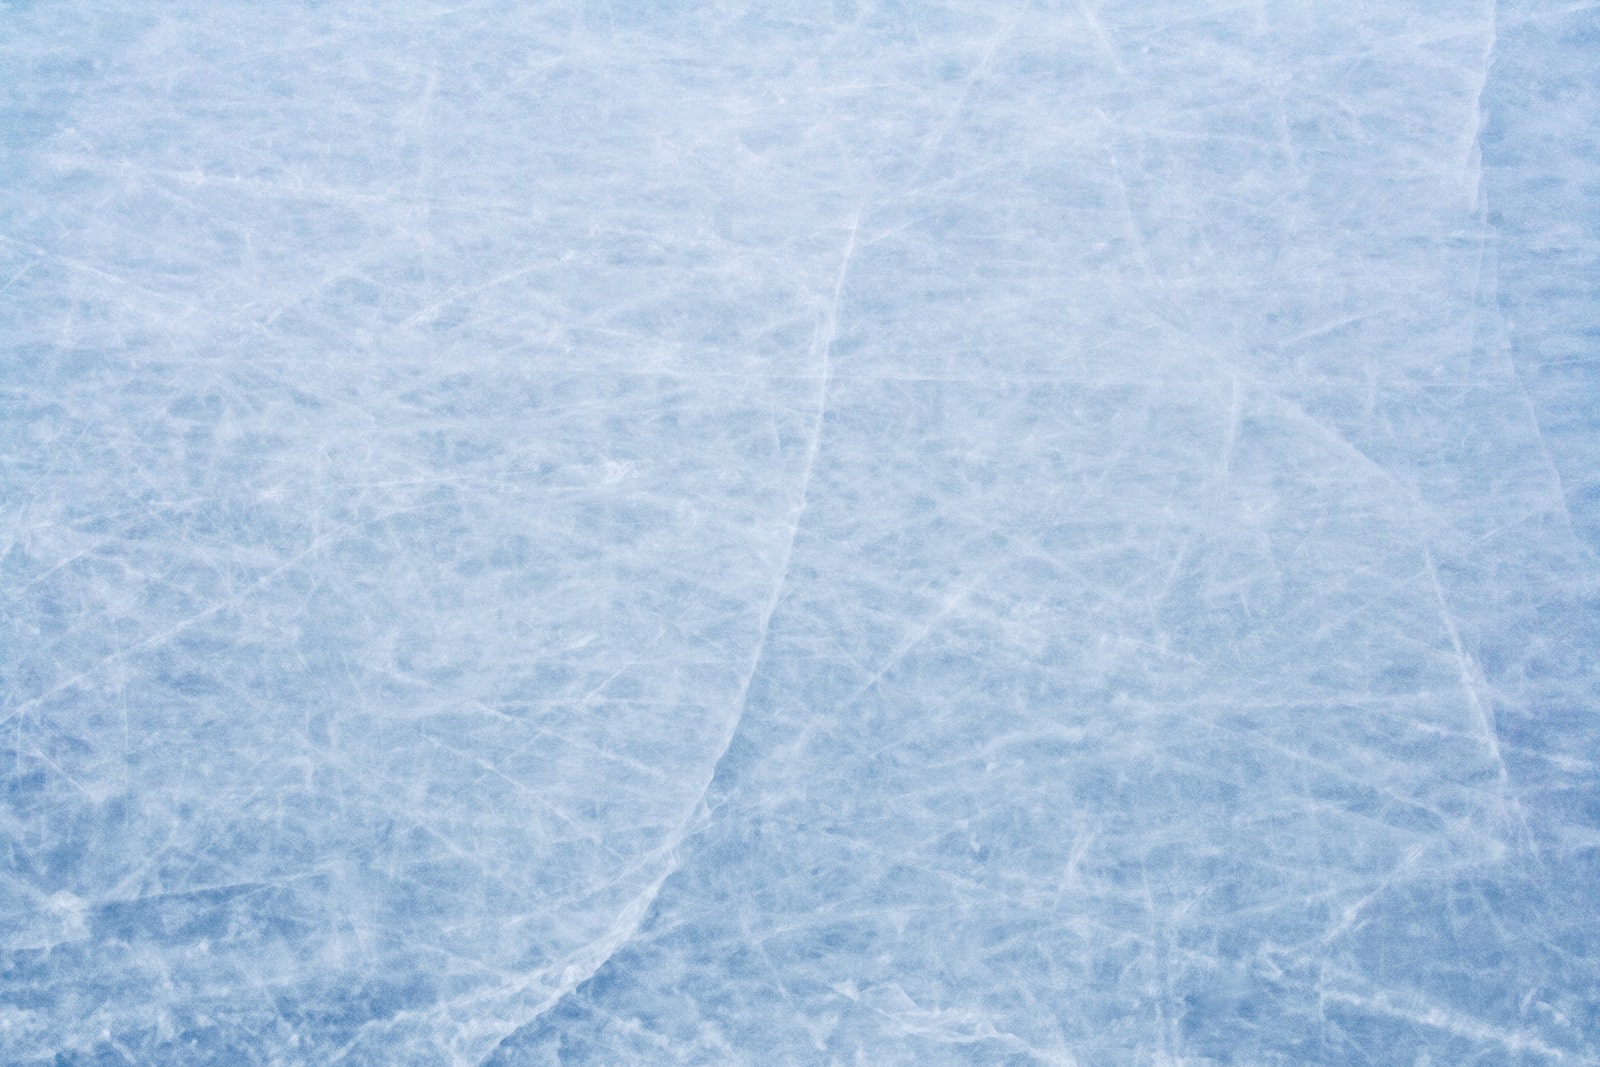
column 586, row 962
column 823, row 346
column 1472, row 131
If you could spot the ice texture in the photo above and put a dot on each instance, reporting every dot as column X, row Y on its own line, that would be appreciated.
column 844, row 532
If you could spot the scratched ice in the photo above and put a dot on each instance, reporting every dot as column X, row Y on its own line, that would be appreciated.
column 800, row 533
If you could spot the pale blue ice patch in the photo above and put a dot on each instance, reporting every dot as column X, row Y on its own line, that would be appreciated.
column 847, row 533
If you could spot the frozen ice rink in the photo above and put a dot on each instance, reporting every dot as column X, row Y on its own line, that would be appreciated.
column 826, row 532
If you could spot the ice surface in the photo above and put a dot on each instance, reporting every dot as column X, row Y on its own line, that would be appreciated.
column 860, row 533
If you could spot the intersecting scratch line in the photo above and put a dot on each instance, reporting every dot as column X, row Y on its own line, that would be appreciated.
column 1430, row 1015
column 1472, row 683
column 978, row 74
column 156, row 640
